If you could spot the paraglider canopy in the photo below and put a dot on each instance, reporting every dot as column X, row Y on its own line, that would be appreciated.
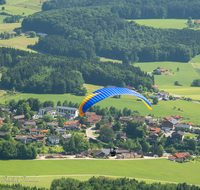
column 103, row 93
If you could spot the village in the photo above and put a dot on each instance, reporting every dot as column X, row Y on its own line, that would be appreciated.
column 29, row 132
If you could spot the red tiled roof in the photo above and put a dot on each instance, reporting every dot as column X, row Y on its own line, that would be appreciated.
column 190, row 123
column 154, row 129
column 176, row 116
column 19, row 116
column 163, row 69
column 179, row 121
column 32, row 130
column 166, row 118
column 69, row 122
column 173, row 157
column 181, row 154
column 155, row 86
column 44, row 131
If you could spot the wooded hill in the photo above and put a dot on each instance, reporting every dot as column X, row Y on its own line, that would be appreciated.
column 87, row 32
column 136, row 8
column 39, row 73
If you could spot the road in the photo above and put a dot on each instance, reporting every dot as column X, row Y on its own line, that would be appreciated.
column 90, row 135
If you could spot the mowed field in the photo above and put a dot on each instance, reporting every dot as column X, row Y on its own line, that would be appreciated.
column 189, row 109
column 184, row 76
column 163, row 23
column 21, row 41
column 152, row 169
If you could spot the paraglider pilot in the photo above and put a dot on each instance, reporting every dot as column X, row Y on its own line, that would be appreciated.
column 112, row 152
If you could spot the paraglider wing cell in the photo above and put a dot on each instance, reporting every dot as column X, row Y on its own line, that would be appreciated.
column 103, row 93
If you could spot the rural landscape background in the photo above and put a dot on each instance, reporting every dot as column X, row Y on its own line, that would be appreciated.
column 181, row 61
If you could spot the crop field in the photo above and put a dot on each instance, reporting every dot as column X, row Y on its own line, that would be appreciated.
column 152, row 169
column 21, row 41
column 163, row 23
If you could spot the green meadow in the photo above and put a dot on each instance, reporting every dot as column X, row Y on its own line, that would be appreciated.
column 152, row 169
column 184, row 76
column 20, row 41
column 162, row 109
column 190, row 135
column 163, row 23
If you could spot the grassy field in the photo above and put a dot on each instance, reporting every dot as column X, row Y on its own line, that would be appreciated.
column 184, row 76
column 160, row 110
column 154, row 169
column 21, row 41
column 163, row 23
column 8, row 27
column 103, row 59
column 15, row 10
column 190, row 135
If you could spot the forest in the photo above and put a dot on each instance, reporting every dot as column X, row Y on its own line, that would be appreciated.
column 37, row 73
column 99, row 31
column 135, row 9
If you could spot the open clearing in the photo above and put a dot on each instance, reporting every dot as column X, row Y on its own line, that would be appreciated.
column 21, row 41
column 163, row 23
column 154, row 169
column 103, row 59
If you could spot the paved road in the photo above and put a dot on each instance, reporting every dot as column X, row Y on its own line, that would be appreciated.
column 90, row 135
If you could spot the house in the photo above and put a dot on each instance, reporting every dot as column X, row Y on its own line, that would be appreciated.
column 21, row 138
column 122, row 151
column 164, row 95
column 153, row 137
column 19, row 117
column 27, row 33
column 183, row 126
column 39, row 137
column 123, row 135
column 139, row 119
column 178, row 135
column 89, row 114
column 125, row 119
column 97, row 153
column 73, row 126
column 54, row 140
column 29, row 123
column 5, row 109
column 34, row 131
column 162, row 71
column 178, row 157
column 61, row 131
column 41, row 34
column 55, row 124
column 154, row 122
column 2, row 134
column 154, row 129
column 169, row 124
column 67, row 111
column 48, row 110
column 155, row 86
column 190, row 123
column 176, row 116
column 93, row 119
column 148, row 117
column 130, row 87
column 110, row 86
column 66, row 137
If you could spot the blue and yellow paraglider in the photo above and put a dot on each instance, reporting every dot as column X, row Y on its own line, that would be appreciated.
column 103, row 93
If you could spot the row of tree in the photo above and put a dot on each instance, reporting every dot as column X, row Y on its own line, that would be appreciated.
column 87, row 32
column 119, row 184
column 136, row 8
column 10, row 150
column 39, row 73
